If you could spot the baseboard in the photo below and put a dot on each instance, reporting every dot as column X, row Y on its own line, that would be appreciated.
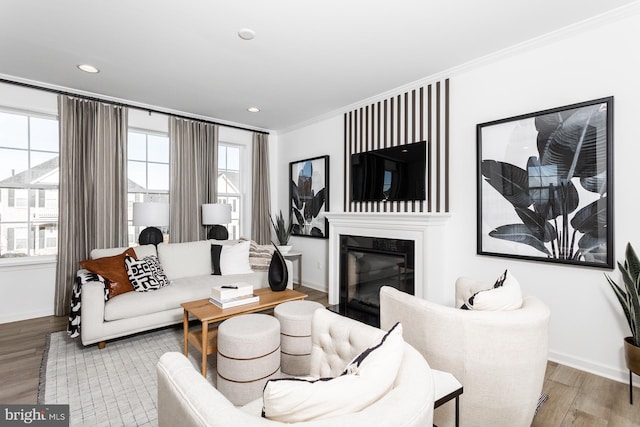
column 317, row 287
column 16, row 317
column 613, row 373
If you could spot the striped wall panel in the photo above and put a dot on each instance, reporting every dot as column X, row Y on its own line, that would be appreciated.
column 421, row 114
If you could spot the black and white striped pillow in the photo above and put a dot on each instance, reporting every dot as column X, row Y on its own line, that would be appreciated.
column 145, row 274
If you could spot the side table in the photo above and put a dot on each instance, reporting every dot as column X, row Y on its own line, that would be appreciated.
column 295, row 256
column 447, row 387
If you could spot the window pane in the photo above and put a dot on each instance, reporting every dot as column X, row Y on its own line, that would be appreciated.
column 48, row 209
column 137, row 175
column 222, row 157
column 13, row 167
column 158, row 149
column 44, row 168
column 222, row 182
column 28, row 185
column 45, row 237
column 233, row 182
column 14, row 131
column 136, row 146
column 233, row 158
column 158, row 176
column 22, row 199
column 44, row 134
column 13, row 240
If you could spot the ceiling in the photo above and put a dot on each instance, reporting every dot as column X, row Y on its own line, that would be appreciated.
column 308, row 58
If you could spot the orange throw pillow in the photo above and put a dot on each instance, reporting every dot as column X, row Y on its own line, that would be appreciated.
column 113, row 270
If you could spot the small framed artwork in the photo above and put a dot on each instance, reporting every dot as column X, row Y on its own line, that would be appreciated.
column 309, row 197
column 545, row 185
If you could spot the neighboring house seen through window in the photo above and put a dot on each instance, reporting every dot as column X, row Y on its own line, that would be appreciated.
column 148, row 173
column 229, row 184
column 28, row 184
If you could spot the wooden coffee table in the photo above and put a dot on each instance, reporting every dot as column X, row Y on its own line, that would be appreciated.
column 207, row 312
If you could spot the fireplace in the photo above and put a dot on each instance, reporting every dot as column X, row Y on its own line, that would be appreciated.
column 367, row 264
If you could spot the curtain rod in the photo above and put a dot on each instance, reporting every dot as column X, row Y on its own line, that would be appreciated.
column 122, row 104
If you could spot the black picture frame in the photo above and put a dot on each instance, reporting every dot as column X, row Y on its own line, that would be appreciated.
column 309, row 197
column 545, row 185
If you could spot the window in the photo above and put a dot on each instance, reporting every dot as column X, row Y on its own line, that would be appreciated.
column 28, row 184
column 148, row 172
column 229, row 184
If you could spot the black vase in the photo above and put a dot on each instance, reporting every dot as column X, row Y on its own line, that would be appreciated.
column 278, row 275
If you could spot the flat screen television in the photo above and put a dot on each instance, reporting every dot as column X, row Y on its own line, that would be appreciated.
column 391, row 174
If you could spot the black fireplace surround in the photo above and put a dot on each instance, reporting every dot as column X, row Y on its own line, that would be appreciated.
column 368, row 263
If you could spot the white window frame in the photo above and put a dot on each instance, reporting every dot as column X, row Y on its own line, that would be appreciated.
column 32, row 238
column 145, row 196
column 238, row 215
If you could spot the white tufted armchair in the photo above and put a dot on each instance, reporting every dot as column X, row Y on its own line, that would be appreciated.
column 185, row 398
column 500, row 357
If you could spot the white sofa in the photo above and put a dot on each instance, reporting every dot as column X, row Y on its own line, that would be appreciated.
column 187, row 265
column 500, row 357
column 187, row 399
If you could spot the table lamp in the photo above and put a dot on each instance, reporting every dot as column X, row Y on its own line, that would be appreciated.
column 153, row 215
column 216, row 214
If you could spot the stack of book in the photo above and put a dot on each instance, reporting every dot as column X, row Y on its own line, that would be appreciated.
column 226, row 296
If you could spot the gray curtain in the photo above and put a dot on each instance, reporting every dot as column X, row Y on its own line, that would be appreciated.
column 92, row 210
column 261, row 201
column 193, row 176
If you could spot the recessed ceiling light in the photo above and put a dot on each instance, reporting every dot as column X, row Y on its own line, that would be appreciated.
column 246, row 34
column 88, row 68
column 253, row 109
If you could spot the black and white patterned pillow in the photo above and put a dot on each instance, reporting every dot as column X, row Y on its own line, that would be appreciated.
column 504, row 295
column 157, row 269
column 145, row 274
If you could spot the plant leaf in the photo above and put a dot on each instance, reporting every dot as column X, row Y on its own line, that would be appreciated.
column 591, row 219
column 317, row 202
column 519, row 233
column 295, row 196
column 574, row 140
column 537, row 224
column 633, row 264
column 593, row 247
column 595, row 184
column 554, row 201
column 298, row 215
column 509, row 180
column 622, row 299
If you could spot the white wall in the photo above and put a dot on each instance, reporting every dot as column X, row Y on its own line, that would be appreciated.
column 319, row 139
column 587, row 325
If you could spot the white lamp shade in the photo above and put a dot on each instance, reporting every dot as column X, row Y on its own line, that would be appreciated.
column 216, row 213
column 151, row 214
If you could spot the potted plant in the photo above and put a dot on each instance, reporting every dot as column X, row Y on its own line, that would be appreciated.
column 629, row 298
column 283, row 232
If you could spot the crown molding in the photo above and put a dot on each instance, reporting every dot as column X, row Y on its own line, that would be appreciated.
column 583, row 26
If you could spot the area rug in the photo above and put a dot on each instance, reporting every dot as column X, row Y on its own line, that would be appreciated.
column 116, row 386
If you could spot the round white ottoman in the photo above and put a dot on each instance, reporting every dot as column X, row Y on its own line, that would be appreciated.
column 248, row 356
column 295, row 335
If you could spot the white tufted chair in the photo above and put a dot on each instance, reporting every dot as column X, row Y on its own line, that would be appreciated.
column 500, row 357
column 186, row 399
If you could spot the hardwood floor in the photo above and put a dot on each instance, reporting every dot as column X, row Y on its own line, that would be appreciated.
column 576, row 398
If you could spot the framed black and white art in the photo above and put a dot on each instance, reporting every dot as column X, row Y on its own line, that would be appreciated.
column 545, row 185
column 309, row 197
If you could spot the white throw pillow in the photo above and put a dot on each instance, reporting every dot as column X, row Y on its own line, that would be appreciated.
column 367, row 378
column 234, row 259
column 505, row 295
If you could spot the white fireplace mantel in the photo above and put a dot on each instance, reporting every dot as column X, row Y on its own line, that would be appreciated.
column 427, row 230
